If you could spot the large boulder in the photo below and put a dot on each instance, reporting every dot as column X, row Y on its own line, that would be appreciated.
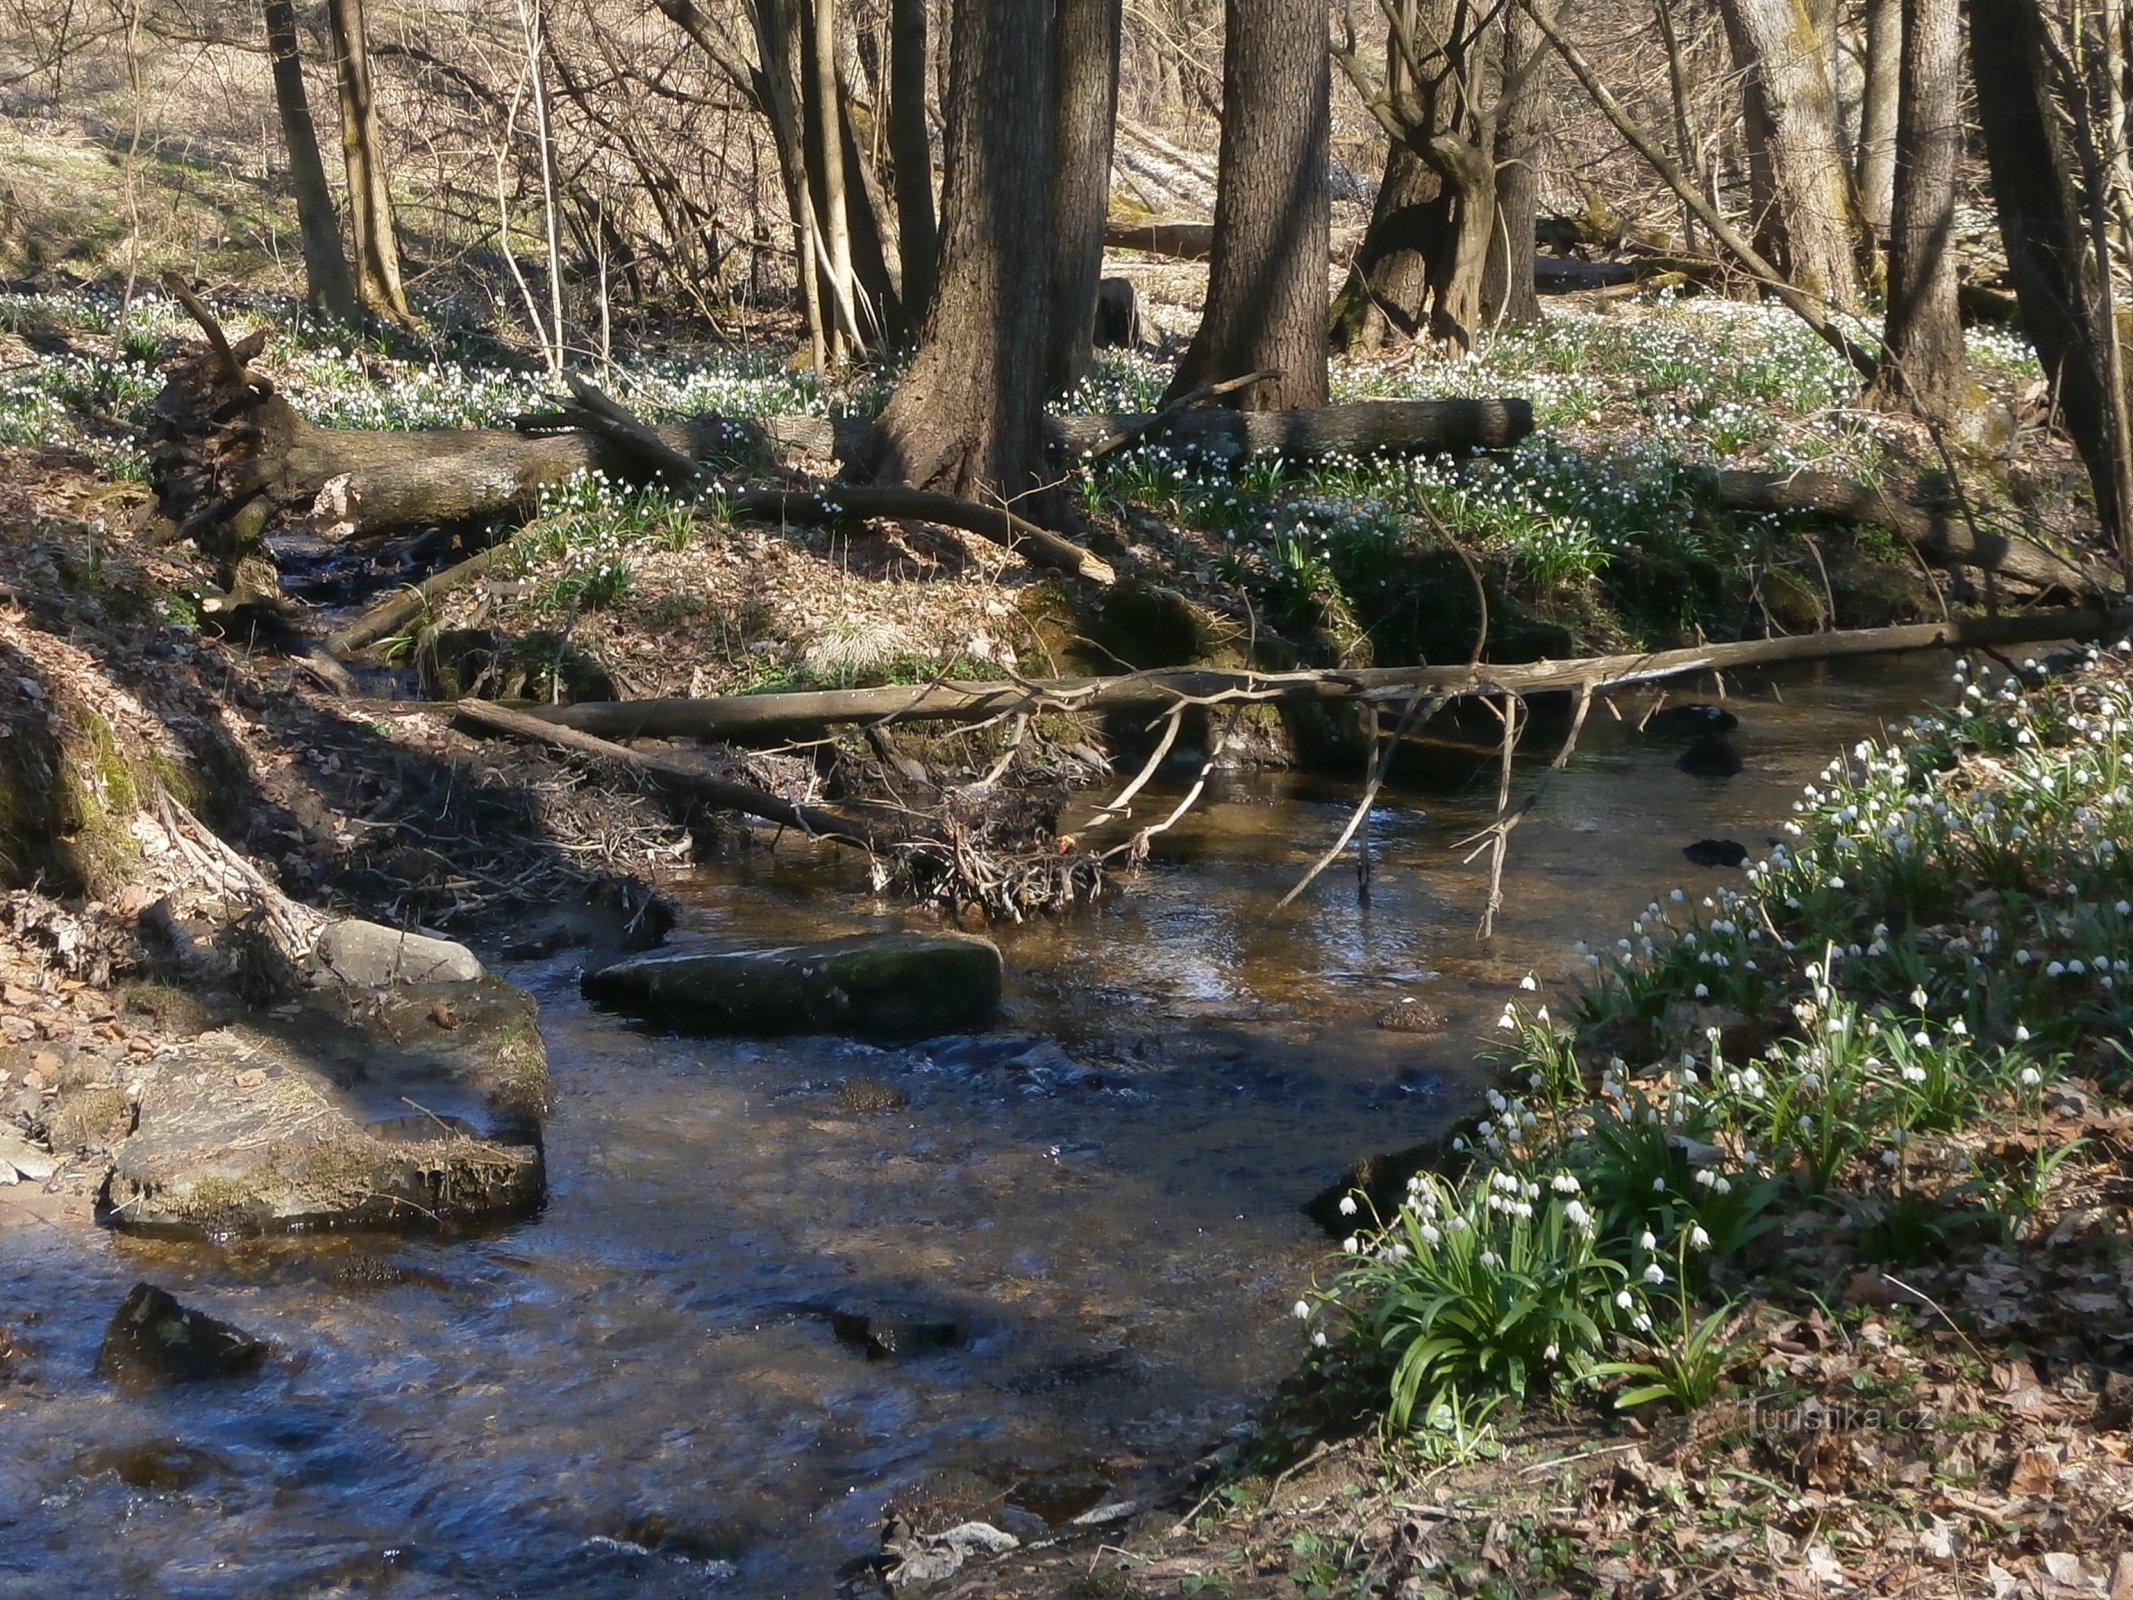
column 894, row 985
column 415, row 1106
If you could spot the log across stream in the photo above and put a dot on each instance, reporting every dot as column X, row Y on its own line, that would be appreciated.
column 1098, row 1200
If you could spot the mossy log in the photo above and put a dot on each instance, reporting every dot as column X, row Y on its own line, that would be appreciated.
column 1938, row 532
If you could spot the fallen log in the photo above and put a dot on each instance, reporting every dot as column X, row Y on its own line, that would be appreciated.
column 742, row 718
column 1936, row 532
column 1554, row 275
column 1181, row 241
column 1358, row 428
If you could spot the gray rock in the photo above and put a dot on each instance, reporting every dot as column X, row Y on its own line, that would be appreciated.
column 369, row 955
column 18, row 1157
column 895, row 985
column 420, row 1107
column 153, row 1340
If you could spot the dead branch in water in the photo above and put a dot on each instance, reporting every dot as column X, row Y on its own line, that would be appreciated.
column 742, row 718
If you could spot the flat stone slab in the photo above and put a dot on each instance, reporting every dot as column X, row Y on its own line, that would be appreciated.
column 893, row 985
column 416, row 1108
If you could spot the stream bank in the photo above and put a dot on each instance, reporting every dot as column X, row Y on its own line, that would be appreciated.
column 781, row 1287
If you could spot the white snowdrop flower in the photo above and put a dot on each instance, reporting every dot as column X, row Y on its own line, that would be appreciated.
column 1564, row 1183
column 1484, row 1128
column 1918, row 998
column 1490, row 1258
column 1496, row 1100
column 1677, row 896
column 1642, row 1322
column 1550, row 1353
column 1351, row 1244
column 1914, row 1074
column 1318, row 1339
column 1959, row 1028
column 2021, row 1033
column 1347, row 1205
column 1698, row 1239
column 1507, row 1021
column 1576, row 1215
column 1528, row 982
column 1430, row 1234
column 1706, row 1177
column 1722, row 1185
column 1922, row 1039
column 1658, row 1186
column 1645, row 1241
column 2077, row 967
column 1541, row 1015
column 1624, row 1299
column 1654, row 1273
column 2023, row 958
column 2031, row 1077
column 1703, row 991
column 1302, row 1310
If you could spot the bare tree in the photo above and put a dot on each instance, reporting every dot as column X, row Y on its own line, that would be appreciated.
column 327, row 284
column 2026, row 112
column 1924, row 332
column 370, row 203
column 1266, row 282
column 1806, row 224
column 1087, row 55
column 967, row 416
column 1879, row 105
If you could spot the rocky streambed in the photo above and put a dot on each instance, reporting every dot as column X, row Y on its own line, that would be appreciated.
column 789, row 1294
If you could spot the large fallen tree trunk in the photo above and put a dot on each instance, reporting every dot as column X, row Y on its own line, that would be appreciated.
column 1938, row 533
column 742, row 718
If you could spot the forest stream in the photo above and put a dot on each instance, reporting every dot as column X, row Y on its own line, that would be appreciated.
column 780, row 1284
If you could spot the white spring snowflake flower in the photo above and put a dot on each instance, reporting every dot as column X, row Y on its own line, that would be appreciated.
column 1348, row 1206
column 1351, row 1245
column 1654, row 1273
column 2031, row 1077
column 1624, row 1299
column 1301, row 1310
column 1645, row 1241
column 1698, row 1239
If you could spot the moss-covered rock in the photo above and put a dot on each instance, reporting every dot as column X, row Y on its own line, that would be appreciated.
column 884, row 985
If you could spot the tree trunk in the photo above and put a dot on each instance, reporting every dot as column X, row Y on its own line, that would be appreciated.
column 1924, row 332
column 966, row 417
column 2041, row 227
column 1087, row 89
column 328, row 288
column 911, row 149
column 1507, row 293
column 825, row 135
column 1391, row 265
column 1880, row 113
column 1266, row 288
column 1793, row 115
column 370, row 205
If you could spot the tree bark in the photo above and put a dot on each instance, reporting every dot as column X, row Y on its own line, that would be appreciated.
column 370, row 205
column 1880, row 112
column 2055, row 275
column 1087, row 90
column 1924, row 331
column 1266, row 289
column 911, row 149
column 966, row 417
column 1786, row 81
column 1507, row 292
column 328, row 287
column 1391, row 265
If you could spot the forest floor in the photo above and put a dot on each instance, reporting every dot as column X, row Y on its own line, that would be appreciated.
column 1857, row 1439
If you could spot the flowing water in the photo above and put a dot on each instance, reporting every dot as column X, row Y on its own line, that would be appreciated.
column 1082, row 1231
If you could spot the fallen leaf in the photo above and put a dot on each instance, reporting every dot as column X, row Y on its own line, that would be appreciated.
column 443, row 1015
column 1937, row 1540
column 251, row 1078
column 2064, row 1567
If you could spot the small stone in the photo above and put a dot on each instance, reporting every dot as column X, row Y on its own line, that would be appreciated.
column 153, row 1340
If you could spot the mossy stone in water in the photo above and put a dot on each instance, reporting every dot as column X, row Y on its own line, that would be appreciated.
column 883, row 985
column 153, row 1339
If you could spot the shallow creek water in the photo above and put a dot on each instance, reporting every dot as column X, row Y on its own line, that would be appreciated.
column 642, row 1391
